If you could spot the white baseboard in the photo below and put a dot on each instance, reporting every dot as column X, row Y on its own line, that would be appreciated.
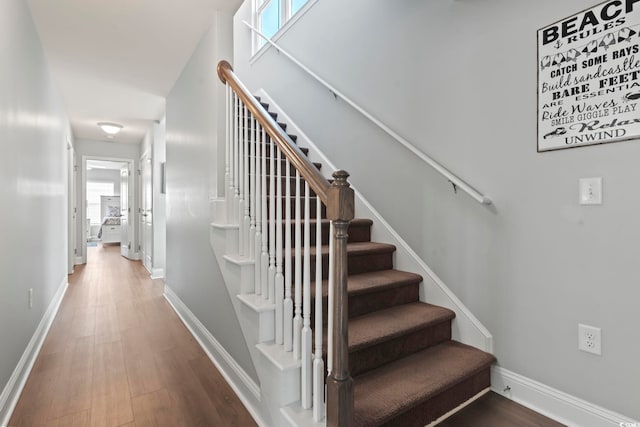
column 11, row 393
column 157, row 273
column 232, row 372
column 79, row 260
column 555, row 404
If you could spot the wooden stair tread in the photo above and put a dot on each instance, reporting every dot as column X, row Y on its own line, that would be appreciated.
column 383, row 325
column 384, row 393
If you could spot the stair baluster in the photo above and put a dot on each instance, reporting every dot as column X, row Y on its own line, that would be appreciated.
column 241, row 240
column 264, row 257
column 252, row 188
column 236, row 160
column 297, row 320
column 272, row 223
column 318, row 363
column 257, row 244
column 279, row 280
column 246, row 178
column 288, row 302
column 228, row 183
column 307, row 387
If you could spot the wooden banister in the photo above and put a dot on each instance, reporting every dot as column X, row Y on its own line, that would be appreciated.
column 309, row 172
column 339, row 200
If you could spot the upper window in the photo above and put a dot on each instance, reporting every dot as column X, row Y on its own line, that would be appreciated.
column 271, row 15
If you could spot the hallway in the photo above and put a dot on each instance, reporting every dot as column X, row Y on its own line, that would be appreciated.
column 117, row 355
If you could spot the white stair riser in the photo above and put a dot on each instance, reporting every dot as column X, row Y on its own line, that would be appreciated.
column 218, row 211
column 261, row 324
column 242, row 275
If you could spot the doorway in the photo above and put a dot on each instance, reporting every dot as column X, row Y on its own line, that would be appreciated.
column 106, row 205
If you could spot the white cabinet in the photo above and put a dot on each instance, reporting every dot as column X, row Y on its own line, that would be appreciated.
column 110, row 211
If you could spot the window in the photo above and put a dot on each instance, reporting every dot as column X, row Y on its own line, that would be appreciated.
column 95, row 189
column 272, row 15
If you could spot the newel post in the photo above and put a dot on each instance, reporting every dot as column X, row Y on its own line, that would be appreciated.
column 340, row 210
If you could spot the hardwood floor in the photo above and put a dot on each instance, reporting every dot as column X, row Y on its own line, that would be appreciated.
column 493, row 410
column 117, row 355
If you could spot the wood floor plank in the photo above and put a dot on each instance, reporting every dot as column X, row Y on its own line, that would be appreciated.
column 493, row 410
column 111, row 399
column 220, row 393
column 191, row 401
column 118, row 355
column 79, row 419
column 127, row 315
column 156, row 409
column 140, row 362
column 72, row 391
column 34, row 405
column 107, row 326
column 84, row 322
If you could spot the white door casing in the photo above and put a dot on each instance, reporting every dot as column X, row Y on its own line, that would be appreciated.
column 125, row 209
column 72, row 206
column 131, row 227
column 146, row 212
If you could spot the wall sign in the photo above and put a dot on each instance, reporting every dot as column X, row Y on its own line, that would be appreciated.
column 589, row 77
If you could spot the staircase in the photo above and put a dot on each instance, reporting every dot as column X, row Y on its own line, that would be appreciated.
column 406, row 369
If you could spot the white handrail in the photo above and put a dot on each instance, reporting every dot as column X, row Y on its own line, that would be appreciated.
column 457, row 182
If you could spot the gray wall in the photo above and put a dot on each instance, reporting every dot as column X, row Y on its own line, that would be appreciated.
column 33, row 184
column 458, row 79
column 192, row 143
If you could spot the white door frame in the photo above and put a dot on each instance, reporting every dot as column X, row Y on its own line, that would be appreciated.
column 142, row 242
column 83, row 201
column 72, row 208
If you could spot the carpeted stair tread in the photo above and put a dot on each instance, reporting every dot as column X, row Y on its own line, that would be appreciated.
column 356, row 222
column 362, row 257
column 384, row 325
column 359, row 229
column 384, row 393
column 359, row 248
column 376, row 281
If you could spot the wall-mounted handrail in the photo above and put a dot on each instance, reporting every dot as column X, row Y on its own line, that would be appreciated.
column 456, row 181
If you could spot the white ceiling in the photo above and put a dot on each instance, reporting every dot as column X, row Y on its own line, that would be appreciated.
column 117, row 60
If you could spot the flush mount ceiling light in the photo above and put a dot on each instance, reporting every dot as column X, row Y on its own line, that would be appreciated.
column 110, row 128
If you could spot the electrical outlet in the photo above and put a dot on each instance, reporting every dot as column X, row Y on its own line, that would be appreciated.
column 590, row 339
column 30, row 297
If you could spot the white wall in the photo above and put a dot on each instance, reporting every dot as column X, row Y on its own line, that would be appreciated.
column 192, row 143
column 33, row 184
column 106, row 150
column 458, row 79
column 106, row 175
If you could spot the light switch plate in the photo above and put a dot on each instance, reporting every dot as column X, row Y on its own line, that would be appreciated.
column 590, row 191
